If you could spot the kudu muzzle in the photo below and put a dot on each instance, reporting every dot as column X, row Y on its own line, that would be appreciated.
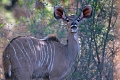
column 74, row 27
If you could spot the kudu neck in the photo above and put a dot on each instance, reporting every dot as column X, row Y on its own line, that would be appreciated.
column 73, row 46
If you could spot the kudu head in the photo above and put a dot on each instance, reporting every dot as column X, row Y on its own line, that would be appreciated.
column 72, row 21
column 72, row 24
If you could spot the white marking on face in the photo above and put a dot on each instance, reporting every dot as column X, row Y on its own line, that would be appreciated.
column 74, row 30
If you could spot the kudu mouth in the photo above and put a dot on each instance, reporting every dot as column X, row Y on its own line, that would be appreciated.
column 74, row 27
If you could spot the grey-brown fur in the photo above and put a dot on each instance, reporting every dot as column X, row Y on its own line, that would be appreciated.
column 28, row 58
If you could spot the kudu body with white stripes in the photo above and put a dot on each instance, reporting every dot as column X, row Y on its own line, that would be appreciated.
column 28, row 58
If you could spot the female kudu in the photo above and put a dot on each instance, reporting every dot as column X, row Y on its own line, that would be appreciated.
column 27, row 58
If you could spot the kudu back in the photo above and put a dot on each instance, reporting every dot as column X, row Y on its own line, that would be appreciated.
column 28, row 58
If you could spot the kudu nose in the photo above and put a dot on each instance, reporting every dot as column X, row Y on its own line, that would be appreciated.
column 73, row 25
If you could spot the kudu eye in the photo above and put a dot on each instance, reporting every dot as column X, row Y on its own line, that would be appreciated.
column 67, row 20
column 78, row 20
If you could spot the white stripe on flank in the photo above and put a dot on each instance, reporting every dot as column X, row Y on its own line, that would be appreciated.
column 53, row 57
column 47, row 55
column 42, row 54
column 34, row 50
column 24, row 48
column 29, row 45
column 30, row 50
column 41, row 58
column 50, row 57
column 39, row 45
column 49, row 52
column 25, row 51
column 20, row 50
column 15, row 54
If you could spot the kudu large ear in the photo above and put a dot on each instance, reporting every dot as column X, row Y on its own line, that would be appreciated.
column 87, row 12
column 59, row 12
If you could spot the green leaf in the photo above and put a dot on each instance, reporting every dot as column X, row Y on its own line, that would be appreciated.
column 1, row 25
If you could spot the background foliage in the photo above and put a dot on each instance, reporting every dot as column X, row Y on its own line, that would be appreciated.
column 96, row 36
